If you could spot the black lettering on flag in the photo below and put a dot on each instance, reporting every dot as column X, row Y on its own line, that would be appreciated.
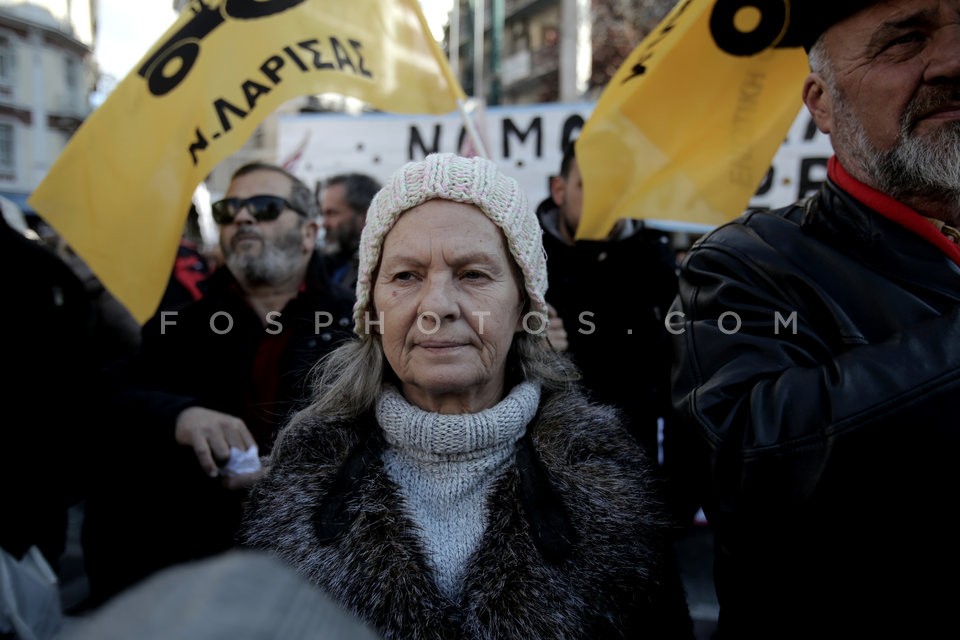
column 343, row 58
column 271, row 66
column 318, row 62
column 352, row 57
column 199, row 145
column 223, row 106
column 252, row 91
column 356, row 44
column 296, row 60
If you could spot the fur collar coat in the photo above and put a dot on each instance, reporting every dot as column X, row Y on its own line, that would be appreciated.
column 575, row 546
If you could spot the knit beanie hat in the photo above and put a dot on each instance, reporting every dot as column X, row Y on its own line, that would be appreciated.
column 448, row 176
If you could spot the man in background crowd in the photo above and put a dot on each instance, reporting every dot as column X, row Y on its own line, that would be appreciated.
column 344, row 200
column 611, row 296
column 213, row 380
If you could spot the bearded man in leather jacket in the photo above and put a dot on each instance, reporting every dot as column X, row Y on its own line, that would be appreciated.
column 817, row 362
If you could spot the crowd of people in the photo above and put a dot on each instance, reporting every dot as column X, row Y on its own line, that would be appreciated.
column 397, row 404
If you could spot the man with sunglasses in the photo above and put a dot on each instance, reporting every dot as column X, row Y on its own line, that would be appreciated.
column 217, row 377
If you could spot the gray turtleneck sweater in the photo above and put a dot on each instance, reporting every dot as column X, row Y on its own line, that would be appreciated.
column 445, row 466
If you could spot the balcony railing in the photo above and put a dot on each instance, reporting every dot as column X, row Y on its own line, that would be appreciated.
column 546, row 59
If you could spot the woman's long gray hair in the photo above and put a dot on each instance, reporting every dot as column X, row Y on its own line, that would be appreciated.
column 348, row 381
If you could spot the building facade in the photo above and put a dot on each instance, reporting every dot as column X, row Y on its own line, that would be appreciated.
column 532, row 51
column 46, row 78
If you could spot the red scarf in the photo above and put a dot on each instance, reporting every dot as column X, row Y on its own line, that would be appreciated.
column 891, row 209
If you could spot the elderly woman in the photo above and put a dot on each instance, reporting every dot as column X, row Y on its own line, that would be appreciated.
column 450, row 480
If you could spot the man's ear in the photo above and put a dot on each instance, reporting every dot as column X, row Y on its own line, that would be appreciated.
column 556, row 190
column 310, row 231
column 818, row 101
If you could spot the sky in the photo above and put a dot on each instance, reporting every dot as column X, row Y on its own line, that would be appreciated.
column 128, row 28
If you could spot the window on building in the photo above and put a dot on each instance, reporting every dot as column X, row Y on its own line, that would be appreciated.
column 7, row 149
column 6, row 60
column 70, row 69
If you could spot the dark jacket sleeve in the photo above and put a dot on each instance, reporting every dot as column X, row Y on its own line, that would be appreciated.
column 771, row 401
column 143, row 406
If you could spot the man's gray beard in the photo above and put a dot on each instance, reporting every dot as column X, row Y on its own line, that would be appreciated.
column 926, row 166
column 330, row 246
column 342, row 243
column 278, row 261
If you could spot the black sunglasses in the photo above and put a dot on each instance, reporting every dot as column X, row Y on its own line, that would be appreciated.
column 262, row 208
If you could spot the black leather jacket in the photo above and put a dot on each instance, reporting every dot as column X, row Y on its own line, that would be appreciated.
column 826, row 447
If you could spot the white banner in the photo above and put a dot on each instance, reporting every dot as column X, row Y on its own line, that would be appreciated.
column 526, row 140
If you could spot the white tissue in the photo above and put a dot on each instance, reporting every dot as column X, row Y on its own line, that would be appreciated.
column 241, row 462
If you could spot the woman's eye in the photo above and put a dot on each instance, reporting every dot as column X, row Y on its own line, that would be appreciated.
column 403, row 276
column 472, row 275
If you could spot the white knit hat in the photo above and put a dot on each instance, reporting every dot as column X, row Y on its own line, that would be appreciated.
column 448, row 176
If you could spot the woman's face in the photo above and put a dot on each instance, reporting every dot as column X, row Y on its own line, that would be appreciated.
column 449, row 302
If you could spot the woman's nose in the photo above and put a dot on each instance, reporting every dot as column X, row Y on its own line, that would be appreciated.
column 439, row 299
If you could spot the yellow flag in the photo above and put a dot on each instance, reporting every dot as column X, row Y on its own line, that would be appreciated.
column 120, row 191
column 687, row 127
